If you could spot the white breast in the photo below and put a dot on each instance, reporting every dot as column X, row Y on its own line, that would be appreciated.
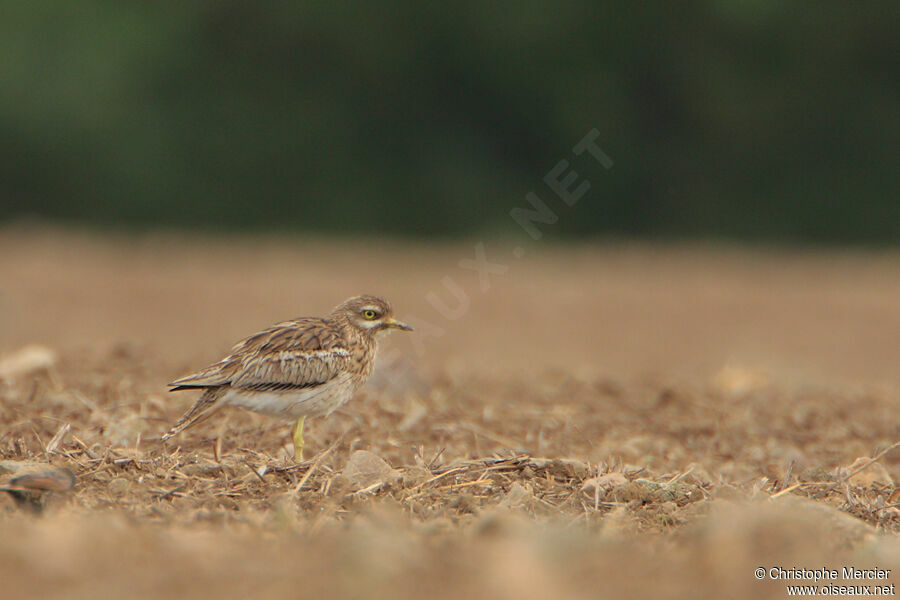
column 320, row 400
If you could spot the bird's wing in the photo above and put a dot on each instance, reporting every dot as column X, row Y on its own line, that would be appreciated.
column 294, row 354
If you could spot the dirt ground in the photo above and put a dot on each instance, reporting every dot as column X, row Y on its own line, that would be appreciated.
column 615, row 420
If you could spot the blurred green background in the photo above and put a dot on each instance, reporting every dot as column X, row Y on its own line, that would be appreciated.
column 753, row 119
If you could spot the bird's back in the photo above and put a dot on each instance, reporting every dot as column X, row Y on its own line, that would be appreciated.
column 299, row 352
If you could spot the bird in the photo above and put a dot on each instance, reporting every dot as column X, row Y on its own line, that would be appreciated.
column 305, row 367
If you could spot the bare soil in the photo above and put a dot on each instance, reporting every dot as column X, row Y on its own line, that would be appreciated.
column 597, row 421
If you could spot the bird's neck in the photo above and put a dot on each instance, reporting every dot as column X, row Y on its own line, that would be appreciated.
column 354, row 336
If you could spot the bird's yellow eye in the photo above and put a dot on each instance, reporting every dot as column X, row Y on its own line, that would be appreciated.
column 369, row 314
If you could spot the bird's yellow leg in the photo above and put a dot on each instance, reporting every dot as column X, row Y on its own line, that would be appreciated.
column 297, row 432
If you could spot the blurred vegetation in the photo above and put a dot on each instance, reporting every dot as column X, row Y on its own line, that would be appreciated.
column 754, row 119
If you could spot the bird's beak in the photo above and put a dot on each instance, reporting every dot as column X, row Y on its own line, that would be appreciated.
column 395, row 324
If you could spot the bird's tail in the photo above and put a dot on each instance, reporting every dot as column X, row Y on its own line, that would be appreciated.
column 204, row 406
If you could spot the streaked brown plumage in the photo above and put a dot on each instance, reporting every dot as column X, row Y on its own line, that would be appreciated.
column 305, row 367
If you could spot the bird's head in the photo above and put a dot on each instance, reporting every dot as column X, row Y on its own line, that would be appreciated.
column 369, row 314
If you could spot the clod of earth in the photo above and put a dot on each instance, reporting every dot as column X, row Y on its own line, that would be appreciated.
column 32, row 483
column 366, row 471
